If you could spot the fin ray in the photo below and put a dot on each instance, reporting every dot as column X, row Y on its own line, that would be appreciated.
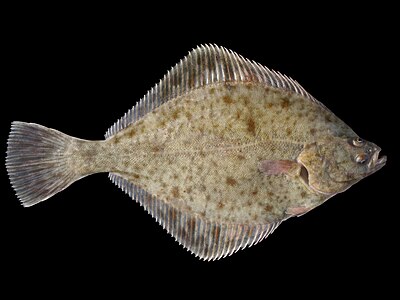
column 37, row 163
column 206, row 239
column 205, row 65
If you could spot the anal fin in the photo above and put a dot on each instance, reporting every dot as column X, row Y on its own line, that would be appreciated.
column 208, row 240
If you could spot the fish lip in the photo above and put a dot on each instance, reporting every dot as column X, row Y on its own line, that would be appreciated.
column 377, row 163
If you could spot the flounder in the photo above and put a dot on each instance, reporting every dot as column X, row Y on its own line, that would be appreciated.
column 219, row 152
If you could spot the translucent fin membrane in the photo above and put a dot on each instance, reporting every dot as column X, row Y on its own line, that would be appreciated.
column 207, row 240
column 206, row 65
column 37, row 163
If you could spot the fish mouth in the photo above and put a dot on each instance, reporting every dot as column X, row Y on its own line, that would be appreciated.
column 376, row 162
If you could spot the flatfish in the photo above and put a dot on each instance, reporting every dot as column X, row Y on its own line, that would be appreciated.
column 219, row 152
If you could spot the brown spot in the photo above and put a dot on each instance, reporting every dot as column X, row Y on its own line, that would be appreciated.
column 230, row 86
column 328, row 118
column 220, row 205
column 214, row 163
column 312, row 131
column 217, row 232
column 255, row 192
column 132, row 132
column 251, row 126
column 288, row 131
column 175, row 114
column 287, row 118
column 208, row 197
column 175, row 192
column 237, row 114
column 188, row 115
column 136, row 176
column 312, row 117
column 270, row 194
column 303, row 194
column 285, row 103
column 241, row 157
column 268, row 208
column 227, row 99
column 156, row 148
column 270, row 104
column 163, row 184
column 249, row 203
column 202, row 153
column 203, row 188
column 300, row 115
column 175, row 176
column 230, row 181
column 246, row 100
column 241, row 193
column 161, row 123
column 116, row 139
column 212, row 91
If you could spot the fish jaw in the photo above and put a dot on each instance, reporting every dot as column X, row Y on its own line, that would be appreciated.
column 376, row 163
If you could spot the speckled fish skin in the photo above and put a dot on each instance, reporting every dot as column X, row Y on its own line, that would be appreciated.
column 224, row 159
column 202, row 151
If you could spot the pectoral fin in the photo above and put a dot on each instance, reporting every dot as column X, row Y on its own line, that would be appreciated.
column 276, row 167
column 297, row 211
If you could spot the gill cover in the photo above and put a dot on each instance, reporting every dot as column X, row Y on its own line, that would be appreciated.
column 330, row 165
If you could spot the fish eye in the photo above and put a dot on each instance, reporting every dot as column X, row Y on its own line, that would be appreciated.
column 361, row 158
column 358, row 142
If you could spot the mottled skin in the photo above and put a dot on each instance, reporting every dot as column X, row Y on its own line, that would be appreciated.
column 201, row 153
column 219, row 152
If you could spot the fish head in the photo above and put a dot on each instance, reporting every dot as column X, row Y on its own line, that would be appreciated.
column 334, row 164
column 364, row 160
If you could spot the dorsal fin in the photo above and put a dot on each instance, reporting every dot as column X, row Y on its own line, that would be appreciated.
column 205, row 65
column 207, row 240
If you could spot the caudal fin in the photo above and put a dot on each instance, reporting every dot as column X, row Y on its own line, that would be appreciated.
column 37, row 162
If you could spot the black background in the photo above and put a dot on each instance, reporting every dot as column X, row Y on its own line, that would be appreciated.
column 79, row 69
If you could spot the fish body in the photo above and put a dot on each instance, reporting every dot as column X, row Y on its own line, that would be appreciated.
column 220, row 152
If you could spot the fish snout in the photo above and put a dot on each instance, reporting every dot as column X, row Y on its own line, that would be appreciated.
column 376, row 162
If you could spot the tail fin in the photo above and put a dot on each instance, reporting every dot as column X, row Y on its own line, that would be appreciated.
column 37, row 163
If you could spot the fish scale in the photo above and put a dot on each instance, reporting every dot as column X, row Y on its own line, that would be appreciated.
column 219, row 152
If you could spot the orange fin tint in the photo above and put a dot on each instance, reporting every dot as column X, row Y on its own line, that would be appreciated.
column 276, row 167
column 297, row 211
